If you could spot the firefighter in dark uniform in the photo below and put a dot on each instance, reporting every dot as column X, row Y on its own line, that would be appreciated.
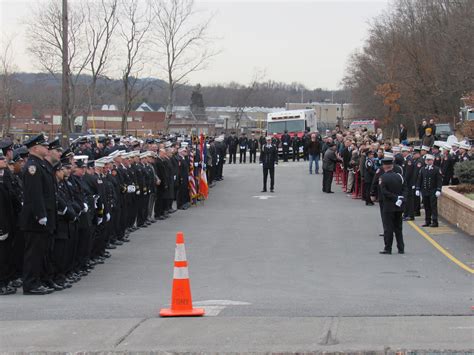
column 419, row 163
column 7, row 228
column 253, row 146
column 243, row 144
column 182, row 198
column 268, row 159
column 221, row 155
column 232, row 143
column 38, row 217
column 437, row 155
column 391, row 190
column 408, row 174
column 285, row 145
column 296, row 144
column 429, row 184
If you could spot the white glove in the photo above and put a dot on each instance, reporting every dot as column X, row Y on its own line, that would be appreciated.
column 99, row 221
column 134, row 188
column 43, row 221
column 62, row 213
column 107, row 217
column 3, row 237
column 438, row 193
column 398, row 203
column 413, row 187
column 86, row 208
column 138, row 192
column 417, row 193
column 196, row 165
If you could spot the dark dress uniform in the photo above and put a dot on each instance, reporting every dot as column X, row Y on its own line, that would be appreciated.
column 39, row 203
column 253, row 146
column 429, row 183
column 369, row 173
column 182, row 197
column 160, row 168
column 285, row 145
column 243, row 144
column 296, row 144
column 268, row 159
column 232, row 143
column 391, row 189
column 418, row 165
column 410, row 183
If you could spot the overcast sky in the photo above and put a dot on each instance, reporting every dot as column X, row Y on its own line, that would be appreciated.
column 291, row 41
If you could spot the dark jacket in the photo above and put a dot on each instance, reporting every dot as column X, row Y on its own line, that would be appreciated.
column 403, row 134
column 39, row 197
column 391, row 187
column 329, row 160
column 269, row 156
column 429, row 181
column 314, row 148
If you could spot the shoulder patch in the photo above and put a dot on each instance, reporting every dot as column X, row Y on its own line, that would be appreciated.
column 32, row 169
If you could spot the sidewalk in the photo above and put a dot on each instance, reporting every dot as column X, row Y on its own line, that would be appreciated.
column 379, row 335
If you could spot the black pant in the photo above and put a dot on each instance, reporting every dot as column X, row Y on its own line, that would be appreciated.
column 232, row 156
column 327, row 180
column 272, row 177
column 36, row 248
column 253, row 156
column 367, row 185
column 7, row 267
column 431, row 208
column 417, row 204
column 286, row 152
column 296, row 153
column 243, row 155
column 393, row 224
column 410, row 202
column 220, row 170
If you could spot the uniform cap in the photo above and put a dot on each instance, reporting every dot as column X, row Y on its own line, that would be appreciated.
column 36, row 140
column 396, row 148
column 417, row 149
column 464, row 145
column 268, row 138
column 405, row 149
column 429, row 157
column 16, row 156
column 388, row 155
column 6, row 144
column 82, row 140
column 425, row 147
column 56, row 144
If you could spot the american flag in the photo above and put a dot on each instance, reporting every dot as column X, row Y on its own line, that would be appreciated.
column 192, row 182
column 203, row 188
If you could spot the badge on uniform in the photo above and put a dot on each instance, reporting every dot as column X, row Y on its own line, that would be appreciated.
column 32, row 169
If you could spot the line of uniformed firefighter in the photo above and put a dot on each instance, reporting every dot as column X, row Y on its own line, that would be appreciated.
column 61, row 211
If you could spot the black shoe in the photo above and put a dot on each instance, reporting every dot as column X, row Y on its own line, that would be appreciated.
column 401, row 252
column 110, row 246
column 434, row 225
column 107, row 255
column 427, row 224
column 125, row 240
column 272, row 190
column 53, row 285
column 171, row 210
column 41, row 290
column 408, row 218
column 385, row 252
column 330, row 192
column 7, row 290
column 99, row 261
column 118, row 242
column 369, row 203
column 16, row 283
column 381, row 235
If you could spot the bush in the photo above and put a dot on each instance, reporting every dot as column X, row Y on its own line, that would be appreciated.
column 465, row 172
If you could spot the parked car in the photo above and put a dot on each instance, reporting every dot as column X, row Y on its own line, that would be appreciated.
column 443, row 131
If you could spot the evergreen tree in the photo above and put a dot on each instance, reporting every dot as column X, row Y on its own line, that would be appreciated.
column 197, row 103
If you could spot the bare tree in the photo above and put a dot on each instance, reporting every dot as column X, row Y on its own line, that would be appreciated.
column 101, row 20
column 45, row 34
column 7, row 71
column 181, row 42
column 135, row 24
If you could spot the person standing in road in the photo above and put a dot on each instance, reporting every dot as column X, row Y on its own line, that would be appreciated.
column 314, row 152
column 268, row 159
column 329, row 165
column 285, row 145
column 253, row 146
column 391, row 189
column 38, row 217
column 232, row 143
column 429, row 184
column 243, row 144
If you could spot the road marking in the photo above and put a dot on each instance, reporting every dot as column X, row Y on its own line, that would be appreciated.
column 214, row 307
column 263, row 197
column 440, row 248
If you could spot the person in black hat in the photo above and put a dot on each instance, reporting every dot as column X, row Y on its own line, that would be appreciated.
column 6, row 146
column 428, row 186
column 391, row 189
column 253, row 146
column 38, row 216
column 232, row 143
column 6, row 229
column 243, row 144
column 268, row 160
column 285, row 144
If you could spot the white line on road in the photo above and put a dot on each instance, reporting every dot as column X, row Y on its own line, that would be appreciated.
column 214, row 307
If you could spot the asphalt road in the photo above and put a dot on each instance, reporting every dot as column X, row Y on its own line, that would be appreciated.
column 295, row 253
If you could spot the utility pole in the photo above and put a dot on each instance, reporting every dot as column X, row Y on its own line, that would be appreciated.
column 65, row 80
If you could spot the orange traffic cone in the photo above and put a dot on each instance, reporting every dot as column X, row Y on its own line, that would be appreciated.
column 181, row 301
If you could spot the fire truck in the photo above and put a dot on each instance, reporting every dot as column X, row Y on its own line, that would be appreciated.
column 296, row 122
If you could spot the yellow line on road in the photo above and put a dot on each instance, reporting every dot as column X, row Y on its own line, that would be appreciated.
column 440, row 248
